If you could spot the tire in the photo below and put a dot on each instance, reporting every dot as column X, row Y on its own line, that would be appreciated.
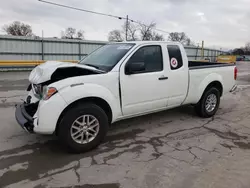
column 200, row 107
column 68, row 124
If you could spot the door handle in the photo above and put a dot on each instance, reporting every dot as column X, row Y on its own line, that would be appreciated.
column 163, row 78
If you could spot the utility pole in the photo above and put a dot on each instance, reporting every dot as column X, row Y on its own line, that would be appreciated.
column 202, row 49
column 42, row 47
column 197, row 49
column 126, row 35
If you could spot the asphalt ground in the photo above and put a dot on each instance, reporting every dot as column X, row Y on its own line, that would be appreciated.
column 174, row 148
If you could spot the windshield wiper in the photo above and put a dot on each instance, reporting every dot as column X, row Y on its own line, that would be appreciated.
column 95, row 66
column 92, row 65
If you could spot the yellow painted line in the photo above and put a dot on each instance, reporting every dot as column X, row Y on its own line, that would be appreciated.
column 200, row 60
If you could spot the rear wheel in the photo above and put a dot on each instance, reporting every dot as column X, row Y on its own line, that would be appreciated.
column 209, row 103
column 83, row 127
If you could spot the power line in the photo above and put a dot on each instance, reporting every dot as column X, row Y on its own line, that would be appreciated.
column 102, row 14
column 79, row 9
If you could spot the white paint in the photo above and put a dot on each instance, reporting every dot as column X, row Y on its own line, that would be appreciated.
column 124, row 47
column 140, row 93
column 15, row 167
column 199, row 79
column 44, row 71
column 26, row 152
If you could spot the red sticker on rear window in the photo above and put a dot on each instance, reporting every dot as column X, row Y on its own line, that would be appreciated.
column 174, row 62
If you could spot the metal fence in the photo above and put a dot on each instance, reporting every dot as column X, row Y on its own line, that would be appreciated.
column 195, row 53
column 247, row 57
column 24, row 48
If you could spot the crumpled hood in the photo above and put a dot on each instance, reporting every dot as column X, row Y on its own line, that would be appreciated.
column 43, row 72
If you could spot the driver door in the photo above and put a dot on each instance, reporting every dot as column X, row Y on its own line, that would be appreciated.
column 144, row 90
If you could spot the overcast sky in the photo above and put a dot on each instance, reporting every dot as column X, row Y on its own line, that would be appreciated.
column 221, row 23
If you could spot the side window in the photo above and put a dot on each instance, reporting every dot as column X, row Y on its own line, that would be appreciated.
column 175, row 58
column 151, row 56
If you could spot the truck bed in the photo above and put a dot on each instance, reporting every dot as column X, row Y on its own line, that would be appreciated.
column 203, row 73
column 203, row 65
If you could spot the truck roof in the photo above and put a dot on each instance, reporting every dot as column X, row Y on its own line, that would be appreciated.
column 148, row 42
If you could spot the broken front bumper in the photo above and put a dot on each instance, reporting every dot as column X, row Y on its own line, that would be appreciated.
column 24, row 119
column 40, row 116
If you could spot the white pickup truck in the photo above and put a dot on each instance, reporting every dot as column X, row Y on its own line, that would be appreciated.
column 78, row 101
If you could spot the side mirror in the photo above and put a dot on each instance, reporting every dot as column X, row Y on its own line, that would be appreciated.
column 134, row 67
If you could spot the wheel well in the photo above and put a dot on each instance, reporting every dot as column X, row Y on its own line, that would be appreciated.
column 217, row 85
column 96, row 100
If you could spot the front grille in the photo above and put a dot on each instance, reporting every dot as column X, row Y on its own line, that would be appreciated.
column 31, row 108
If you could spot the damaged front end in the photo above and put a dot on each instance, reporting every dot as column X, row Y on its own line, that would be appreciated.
column 24, row 115
column 40, row 78
column 25, row 112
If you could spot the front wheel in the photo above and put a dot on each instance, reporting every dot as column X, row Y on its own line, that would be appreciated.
column 209, row 103
column 83, row 127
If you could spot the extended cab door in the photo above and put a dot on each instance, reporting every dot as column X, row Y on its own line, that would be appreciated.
column 147, row 89
column 178, row 74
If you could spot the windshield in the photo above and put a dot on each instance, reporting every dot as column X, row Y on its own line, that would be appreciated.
column 107, row 56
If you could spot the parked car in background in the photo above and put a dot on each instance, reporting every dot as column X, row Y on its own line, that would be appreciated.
column 240, row 58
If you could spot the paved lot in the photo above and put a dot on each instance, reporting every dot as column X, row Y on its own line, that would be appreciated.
column 169, row 149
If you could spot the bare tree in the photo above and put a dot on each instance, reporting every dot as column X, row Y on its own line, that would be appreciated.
column 132, row 30
column 238, row 51
column 242, row 50
column 80, row 34
column 72, row 33
column 140, row 32
column 247, row 47
column 115, row 36
column 180, row 37
column 157, row 37
column 119, row 35
column 189, row 42
column 147, row 31
column 18, row 29
column 69, row 33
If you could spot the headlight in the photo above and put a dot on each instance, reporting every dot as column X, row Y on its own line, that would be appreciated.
column 37, row 90
column 48, row 92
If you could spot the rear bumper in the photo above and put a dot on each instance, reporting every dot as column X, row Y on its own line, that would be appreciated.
column 233, row 88
column 24, row 119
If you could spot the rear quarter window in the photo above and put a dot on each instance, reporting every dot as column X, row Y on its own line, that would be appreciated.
column 175, row 58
